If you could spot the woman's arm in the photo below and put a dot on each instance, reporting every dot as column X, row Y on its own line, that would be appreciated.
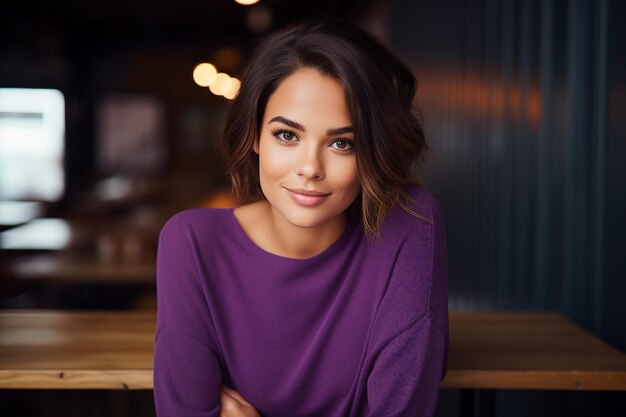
column 187, row 374
column 408, row 356
column 405, row 379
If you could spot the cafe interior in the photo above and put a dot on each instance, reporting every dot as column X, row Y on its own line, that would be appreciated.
column 111, row 116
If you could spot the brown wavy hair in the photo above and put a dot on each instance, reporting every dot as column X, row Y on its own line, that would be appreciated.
column 379, row 91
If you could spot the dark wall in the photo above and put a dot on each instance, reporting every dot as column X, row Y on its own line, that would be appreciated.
column 524, row 105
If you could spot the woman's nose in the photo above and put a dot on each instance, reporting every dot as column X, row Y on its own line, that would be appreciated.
column 310, row 164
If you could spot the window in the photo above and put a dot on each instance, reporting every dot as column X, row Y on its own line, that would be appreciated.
column 32, row 139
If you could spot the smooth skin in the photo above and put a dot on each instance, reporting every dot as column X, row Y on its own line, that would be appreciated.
column 306, row 141
column 234, row 405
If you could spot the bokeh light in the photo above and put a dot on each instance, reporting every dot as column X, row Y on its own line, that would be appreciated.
column 227, row 58
column 259, row 19
column 221, row 83
column 233, row 90
column 204, row 74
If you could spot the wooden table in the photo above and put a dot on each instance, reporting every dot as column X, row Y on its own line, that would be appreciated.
column 58, row 269
column 540, row 350
column 60, row 251
column 113, row 350
column 76, row 350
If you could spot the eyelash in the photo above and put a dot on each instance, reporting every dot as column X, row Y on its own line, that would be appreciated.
column 276, row 133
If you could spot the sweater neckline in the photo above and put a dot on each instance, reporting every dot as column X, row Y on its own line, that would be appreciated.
column 337, row 245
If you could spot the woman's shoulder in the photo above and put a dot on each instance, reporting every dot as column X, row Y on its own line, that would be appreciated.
column 417, row 282
column 425, row 202
column 195, row 221
column 423, row 209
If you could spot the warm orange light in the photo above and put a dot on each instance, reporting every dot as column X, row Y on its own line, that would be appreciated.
column 260, row 19
column 204, row 74
column 246, row 2
column 233, row 90
column 227, row 58
column 221, row 83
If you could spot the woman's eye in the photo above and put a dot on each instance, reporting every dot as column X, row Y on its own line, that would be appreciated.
column 343, row 145
column 285, row 135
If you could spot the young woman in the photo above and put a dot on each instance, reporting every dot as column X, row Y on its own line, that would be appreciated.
column 325, row 293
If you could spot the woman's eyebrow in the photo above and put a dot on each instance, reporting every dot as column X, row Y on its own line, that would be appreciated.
column 339, row 131
column 296, row 125
column 288, row 122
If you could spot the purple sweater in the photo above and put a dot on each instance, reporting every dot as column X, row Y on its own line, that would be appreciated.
column 360, row 329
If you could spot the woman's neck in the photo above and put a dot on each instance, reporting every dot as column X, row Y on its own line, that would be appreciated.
column 270, row 231
column 304, row 242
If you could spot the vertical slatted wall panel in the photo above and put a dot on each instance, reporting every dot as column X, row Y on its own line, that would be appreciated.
column 524, row 105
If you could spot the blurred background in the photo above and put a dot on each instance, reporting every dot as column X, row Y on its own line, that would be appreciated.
column 109, row 124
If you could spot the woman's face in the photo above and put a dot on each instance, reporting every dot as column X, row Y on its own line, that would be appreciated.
column 306, row 144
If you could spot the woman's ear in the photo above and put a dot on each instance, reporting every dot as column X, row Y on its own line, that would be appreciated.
column 255, row 146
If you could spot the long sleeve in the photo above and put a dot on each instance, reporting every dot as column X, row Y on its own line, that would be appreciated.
column 187, row 375
column 409, row 348
column 405, row 379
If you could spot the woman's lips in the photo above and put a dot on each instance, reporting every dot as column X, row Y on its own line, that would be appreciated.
column 307, row 200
